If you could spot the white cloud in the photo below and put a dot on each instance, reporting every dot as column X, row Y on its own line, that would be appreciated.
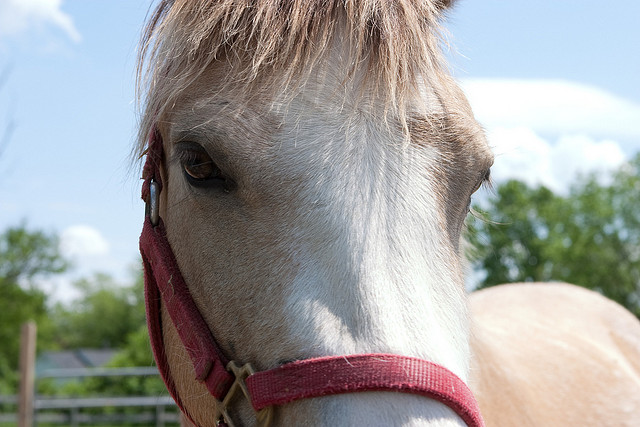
column 18, row 16
column 520, row 154
column 89, row 253
column 575, row 155
column 549, row 132
column 59, row 288
column 82, row 241
column 553, row 107
column 524, row 155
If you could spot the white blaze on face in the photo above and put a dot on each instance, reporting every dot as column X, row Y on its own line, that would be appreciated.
column 376, row 269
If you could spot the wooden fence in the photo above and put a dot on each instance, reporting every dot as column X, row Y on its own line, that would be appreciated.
column 33, row 409
column 158, row 411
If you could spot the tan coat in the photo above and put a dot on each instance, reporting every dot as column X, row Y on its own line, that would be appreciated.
column 554, row 355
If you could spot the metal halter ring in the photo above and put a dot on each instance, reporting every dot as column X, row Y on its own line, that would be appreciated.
column 153, row 204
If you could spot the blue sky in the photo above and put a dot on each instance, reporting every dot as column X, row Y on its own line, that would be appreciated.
column 556, row 84
column 584, row 41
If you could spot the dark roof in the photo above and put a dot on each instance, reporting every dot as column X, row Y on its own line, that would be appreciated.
column 78, row 358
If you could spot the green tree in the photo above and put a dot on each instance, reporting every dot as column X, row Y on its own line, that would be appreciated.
column 25, row 258
column 103, row 317
column 590, row 237
column 136, row 352
column 112, row 315
column 25, row 255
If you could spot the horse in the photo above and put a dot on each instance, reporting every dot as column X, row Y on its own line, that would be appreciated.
column 309, row 167
column 554, row 354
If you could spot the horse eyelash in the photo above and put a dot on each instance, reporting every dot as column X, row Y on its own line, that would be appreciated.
column 187, row 156
column 487, row 182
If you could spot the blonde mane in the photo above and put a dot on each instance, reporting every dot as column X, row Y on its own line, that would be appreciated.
column 277, row 42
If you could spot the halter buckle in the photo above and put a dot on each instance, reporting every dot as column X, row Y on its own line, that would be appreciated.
column 263, row 416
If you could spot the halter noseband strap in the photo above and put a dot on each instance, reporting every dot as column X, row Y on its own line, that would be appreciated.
column 293, row 381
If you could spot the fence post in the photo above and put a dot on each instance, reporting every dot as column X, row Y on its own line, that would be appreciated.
column 160, row 416
column 75, row 412
column 27, row 374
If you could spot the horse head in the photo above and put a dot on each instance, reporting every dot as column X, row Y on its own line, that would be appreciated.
column 317, row 164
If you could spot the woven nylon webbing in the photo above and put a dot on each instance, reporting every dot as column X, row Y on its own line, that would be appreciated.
column 364, row 372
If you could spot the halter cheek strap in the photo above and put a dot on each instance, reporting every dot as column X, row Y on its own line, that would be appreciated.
column 164, row 285
column 163, row 281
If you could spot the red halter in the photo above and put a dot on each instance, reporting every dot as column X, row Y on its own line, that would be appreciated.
column 286, row 383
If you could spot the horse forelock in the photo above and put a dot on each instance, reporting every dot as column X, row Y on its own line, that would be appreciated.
column 272, row 46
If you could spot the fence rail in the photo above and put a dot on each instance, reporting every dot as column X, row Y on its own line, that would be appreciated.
column 67, row 411
column 75, row 411
column 103, row 402
column 98, row 372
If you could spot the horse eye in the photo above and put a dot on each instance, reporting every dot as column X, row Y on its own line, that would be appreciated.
column 487, row 177
column 485, row 181
column 199, row 166
column 199, row 169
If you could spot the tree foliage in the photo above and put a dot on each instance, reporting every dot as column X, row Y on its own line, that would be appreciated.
column 104, row 315
column 25, row 256
column 135, row 352
column 107, row 315
column 590, row 237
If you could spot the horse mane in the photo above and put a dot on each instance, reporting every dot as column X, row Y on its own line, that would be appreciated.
column 277, row 42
